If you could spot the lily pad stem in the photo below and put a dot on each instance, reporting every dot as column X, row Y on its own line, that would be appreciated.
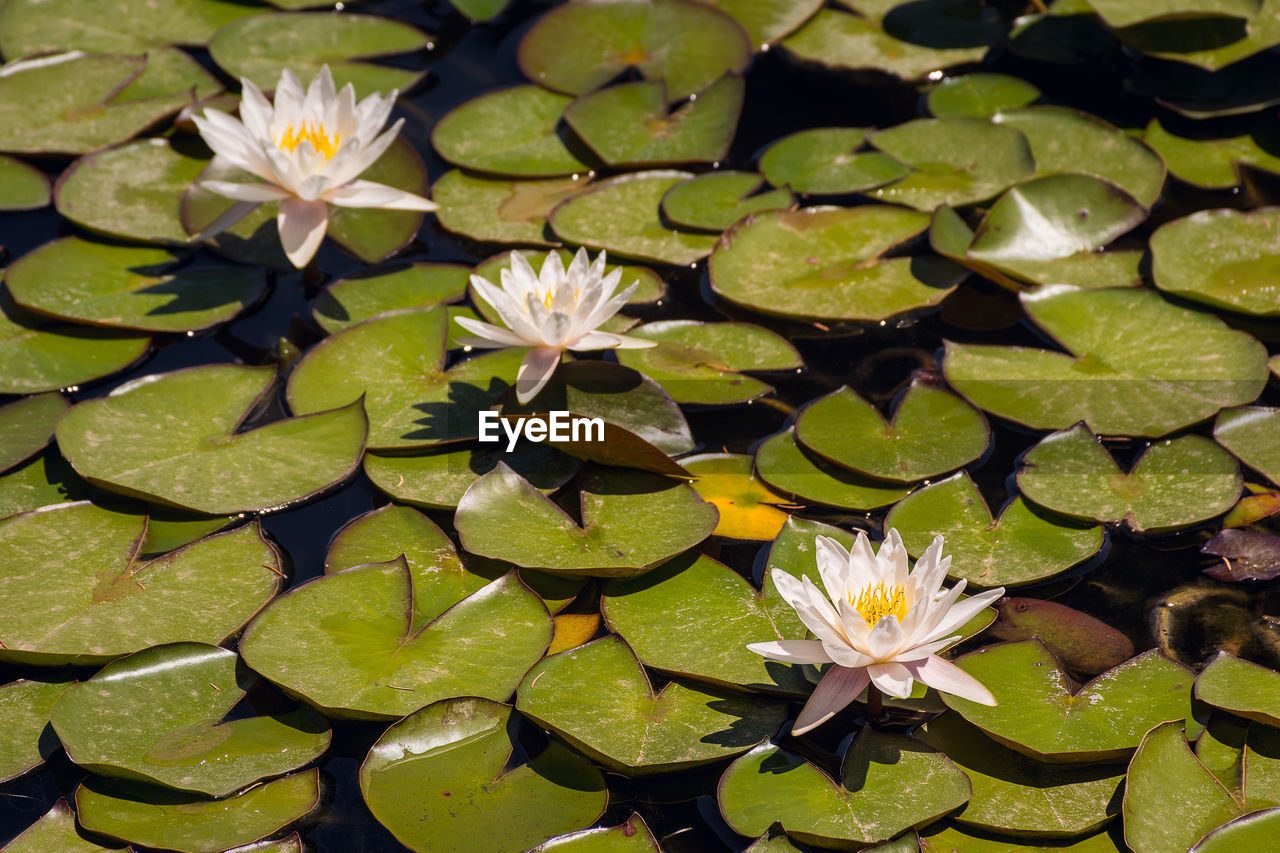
column 774, row 403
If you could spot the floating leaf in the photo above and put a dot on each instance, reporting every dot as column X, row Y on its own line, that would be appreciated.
column 623, row 214
column 573, row 630
column 127, row 287
column 598, row 698
column 259, row 47
column 748, row 509
column 766, row 21
column 826, row 161
column 1024, row 545
column 1248, row 832
column 479, row 10
column 1041, row 716
column 22, row 186
column 24, row 719
column 26, row 426
column 1224, row 258
column 498, row 210
column 504, row 517
column 1245, row 689
column 1127, row 373
column 1214, row 162
column 173, row 820
column 1085, row 645
column 439, row 777
column 629, row 125
column 440, row 477
column 45, row 480
column 716, row 200
column 822, row 263
column 74, row 588
column 55, row 831
column 582, row 47
column 784, row 465
column 1246, row 555
column 888, row 783
column 979, row 95
column 509, row 132
column 418, row 285
column 1124, row 13
column 950, row 839
column 631, row 836
column 157, row 716
column 931, row 432
column 1173, row 484
column 174, row 438
column 30, row 27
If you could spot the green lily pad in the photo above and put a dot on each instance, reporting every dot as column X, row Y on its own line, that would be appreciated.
column 689, row 45
column 504, row 517
column 157, row 716
column 173, row 438
column 979, row 95
column 962, row 33
column 953, row 160
column 1209, row 44
column 44, row 480
column 888, row 783
column 824, row 263
column 30, row 27
column 438, row 478
column 767, row 21
column 631, row 836
column 25, row 706
column 128, row 287
column 511, row 131
column 71, row 103
column 418, row 285
column 623, row 215
column 932, row 431
column 716, row 200
column 700, row 363
column 174, row 820
column 1248, row 832
column 650, row 286
column 1039, row 715
column 598, row 698
column 439, row 778
column 628, row 124
column 1023, row 546
column 26, row 426
column 56, row 830
column 366, row 642
column 479, row 10
column 1128, row 371
column 1214, row 162
column 949, row 839
column 786, row 466
column 1018, row 795
column 22, row 186
column 500, row 210
column 1249, row 433
column 75, row 591
column 1223, row 258
column 1245, row 689
column 259, row 47
column 1065, row 141
column 1175, row 483
column 1124, row 13
column 826, row 161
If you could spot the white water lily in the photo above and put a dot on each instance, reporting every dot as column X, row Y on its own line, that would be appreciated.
column 551, row 311
column 878, row 624
column 310, row 150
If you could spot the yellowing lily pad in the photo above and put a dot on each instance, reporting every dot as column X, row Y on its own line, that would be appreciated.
column 508, row 132
column 748, row 509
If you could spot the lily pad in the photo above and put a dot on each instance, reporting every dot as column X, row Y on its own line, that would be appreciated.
column 504, row 517
column 631, row 836
column 30, row 27
column 979, row 95
column 1175, row 483
column 439, row 477
column 629, row 125
column 44, row 480
column 598, row 698
column 126, row 287
column 581, row 47
column 368, row 642
column 55, row 831
column 950, row 839
column 26, row 426
column 1041, row 716
column 888, row 783
column 509, row 132
column 174, row 820
column 74, row 589
column 650, row 286
column 439, row 778
column 1124, row 13
column 1247, row 832
column 623, row 215
column 25, row 706
column 826, row 161
column 748, row 509
column 824, row 263
column 786, row 466
column 418, row 285
column 931, row 432
column 1214, row 162
column 1249, row 433
column 500, row 210
column 1023, row 546
column 700, row 362
column 174, row 438
column 1127, row 372
column 259, row 47
column 22, row 186
column 1224, row 258
column 1245, row 689
column 45, row 355
column 157, row 716
column 716, row 200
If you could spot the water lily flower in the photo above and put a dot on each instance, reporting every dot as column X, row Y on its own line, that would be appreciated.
column 309, row 150
column 878, row 624
column 551, row 311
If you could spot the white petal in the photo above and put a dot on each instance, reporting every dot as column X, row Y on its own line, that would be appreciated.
column 833, row 567
column 864, row 570
column 515, row 318
column 534, row 372
column 597, row 340
column 245, row 192
column 893, row 679
column 370, row 194
column 493, row 336
column 893, row 559
column 839, row 686
column 921, row 652
column 302, row 225
column 963, row 611
column 234, row 214
column 552, row 272
column 792, row 651
column 944, row 676
column 816, row 614
column 629, row 342
column 885, row 639
column 255, row 111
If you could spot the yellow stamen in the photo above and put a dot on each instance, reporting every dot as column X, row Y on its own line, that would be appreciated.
column 317, row 136
column 549, row 297
column 876, row 602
